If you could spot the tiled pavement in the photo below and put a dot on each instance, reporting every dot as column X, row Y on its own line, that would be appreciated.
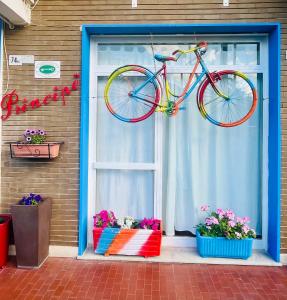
column 66, row 278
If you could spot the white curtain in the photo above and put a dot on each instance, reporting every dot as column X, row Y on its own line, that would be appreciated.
column 126, row 192
column 207, row 164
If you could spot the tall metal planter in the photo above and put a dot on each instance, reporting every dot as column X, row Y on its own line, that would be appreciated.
column 31, row 225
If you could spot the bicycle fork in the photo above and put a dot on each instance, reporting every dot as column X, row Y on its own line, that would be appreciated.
column 213, row 77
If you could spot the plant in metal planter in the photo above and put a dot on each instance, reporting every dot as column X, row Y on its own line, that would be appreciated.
column 126, row 236
column 35, row 146
column 224, row 235
column 4, row 238
column 31, row 226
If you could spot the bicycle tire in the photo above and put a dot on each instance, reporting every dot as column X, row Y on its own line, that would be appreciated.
column 117, row 94
column 246, row 97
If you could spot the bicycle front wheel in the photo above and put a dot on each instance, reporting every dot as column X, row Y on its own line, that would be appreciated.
column 132, row 93
column 241, row 102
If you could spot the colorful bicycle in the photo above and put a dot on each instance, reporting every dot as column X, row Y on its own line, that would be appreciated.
column 225, row 98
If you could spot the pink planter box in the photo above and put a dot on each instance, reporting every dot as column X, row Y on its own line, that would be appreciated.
column 47, row 150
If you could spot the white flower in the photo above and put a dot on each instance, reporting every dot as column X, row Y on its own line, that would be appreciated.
column 129, row 223
column 238, row 235
column 120, row 221
column 126, row 222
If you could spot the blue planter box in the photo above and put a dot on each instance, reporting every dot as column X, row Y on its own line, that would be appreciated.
column 222, row 247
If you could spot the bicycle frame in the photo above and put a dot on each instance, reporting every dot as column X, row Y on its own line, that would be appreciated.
column 188, row 89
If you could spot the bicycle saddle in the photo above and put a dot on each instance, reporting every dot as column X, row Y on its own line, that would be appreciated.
column 163, row 58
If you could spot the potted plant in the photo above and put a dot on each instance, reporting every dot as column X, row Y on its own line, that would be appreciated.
column 4, row 238
column 34, row 145
column 31, row 226
column 126, row 236
column 224, row 235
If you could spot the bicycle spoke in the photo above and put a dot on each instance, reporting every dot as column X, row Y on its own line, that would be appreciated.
column 236, row 111
column 215, row 100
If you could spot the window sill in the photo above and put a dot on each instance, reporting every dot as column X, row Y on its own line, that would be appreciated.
column 185, row 255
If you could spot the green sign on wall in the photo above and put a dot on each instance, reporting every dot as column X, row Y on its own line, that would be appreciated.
column 47, row 69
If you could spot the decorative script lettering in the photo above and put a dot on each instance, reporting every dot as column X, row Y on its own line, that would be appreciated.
column 11, row 104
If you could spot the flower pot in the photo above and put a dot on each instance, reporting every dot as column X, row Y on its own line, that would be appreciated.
column 141, row 242
column 46, row 150
column 4, row 239
column 223, row 247
column 31, row 226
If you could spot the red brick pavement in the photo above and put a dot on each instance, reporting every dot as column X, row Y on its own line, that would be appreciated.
column 66, row 278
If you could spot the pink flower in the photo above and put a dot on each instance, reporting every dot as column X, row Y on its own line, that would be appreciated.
column 204, row 207
column 231, row 223
column 154, row 226
column 104, row 219
column 220, row 212
column 150, row 224
column 239, row 220
column 245, row 229
column 246, row 219
column 208, row 221
column 230, row 214
column 211, row 221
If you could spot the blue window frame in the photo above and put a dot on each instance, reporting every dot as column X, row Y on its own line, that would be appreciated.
column 274, row 144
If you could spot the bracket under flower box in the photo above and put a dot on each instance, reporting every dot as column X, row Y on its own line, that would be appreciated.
column 141, row 242
column 46, row 150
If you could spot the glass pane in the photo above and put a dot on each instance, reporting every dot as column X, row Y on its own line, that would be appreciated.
column 143, row 54
column 125, row 192
column 227, row 54
column 212, row 56
column 217, row 54
column 118, row 141
column 247, row 54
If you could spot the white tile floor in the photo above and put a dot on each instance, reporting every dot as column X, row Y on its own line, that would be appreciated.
column 185, row 255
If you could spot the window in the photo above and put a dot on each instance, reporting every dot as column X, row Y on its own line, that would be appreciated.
column 168, row 167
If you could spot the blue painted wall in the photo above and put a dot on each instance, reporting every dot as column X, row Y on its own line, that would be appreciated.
column 273, row 29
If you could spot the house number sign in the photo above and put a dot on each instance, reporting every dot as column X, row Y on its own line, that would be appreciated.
column 11, row 104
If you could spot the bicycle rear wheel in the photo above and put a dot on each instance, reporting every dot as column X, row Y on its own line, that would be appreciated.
column 120, row 98
column 241, row 102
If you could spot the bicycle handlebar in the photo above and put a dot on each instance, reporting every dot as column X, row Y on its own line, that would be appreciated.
column 198, row 46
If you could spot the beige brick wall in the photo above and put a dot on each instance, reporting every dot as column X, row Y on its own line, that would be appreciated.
column 55, row 35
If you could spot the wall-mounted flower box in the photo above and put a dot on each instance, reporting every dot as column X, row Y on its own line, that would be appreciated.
column 46, row 150
column 141, row 242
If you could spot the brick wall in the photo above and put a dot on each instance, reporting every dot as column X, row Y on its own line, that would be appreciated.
column 55, row 35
